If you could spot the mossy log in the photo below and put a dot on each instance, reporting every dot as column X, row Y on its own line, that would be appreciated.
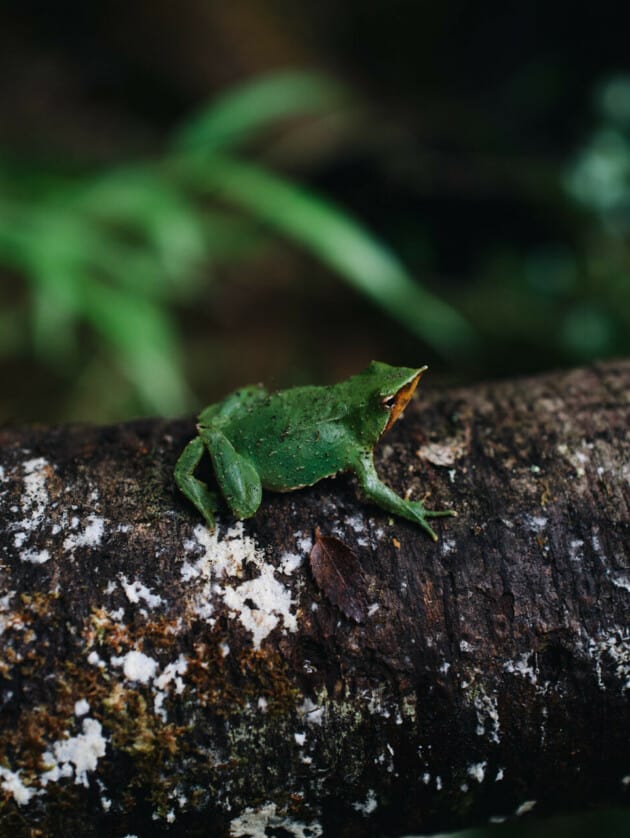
column 156, row 679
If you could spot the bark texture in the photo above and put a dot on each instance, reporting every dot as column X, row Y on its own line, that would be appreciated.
column 156, row 679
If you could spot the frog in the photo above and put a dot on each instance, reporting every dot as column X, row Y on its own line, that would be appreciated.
column 289, row 439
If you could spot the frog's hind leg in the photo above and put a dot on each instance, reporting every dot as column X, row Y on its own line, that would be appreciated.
column 195, row 490
column 237, row 478
column 243, row 398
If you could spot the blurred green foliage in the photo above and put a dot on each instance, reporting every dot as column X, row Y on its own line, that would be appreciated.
column 113, row 251
column 568, row 300
column 106, row 260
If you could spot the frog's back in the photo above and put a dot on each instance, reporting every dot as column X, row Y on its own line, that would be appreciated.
column 294, row 438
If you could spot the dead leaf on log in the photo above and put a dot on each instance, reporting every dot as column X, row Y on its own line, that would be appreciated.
column 337, row 571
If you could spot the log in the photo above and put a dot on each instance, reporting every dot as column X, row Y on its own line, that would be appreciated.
column 158, row 679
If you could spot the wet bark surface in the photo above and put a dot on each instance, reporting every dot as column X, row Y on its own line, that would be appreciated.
column 158, row 679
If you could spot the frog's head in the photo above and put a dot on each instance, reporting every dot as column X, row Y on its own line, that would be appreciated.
column 385, row 392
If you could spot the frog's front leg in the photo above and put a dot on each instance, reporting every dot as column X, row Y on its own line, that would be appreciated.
column 237, row 478
column 195, row 490
column 386, row 498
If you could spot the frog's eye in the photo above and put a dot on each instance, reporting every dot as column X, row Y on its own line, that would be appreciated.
column 388, row 402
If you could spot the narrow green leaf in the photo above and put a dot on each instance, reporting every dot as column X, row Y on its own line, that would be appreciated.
column 147, row 219
column 338, row 241
column 144, row 340
column 245, row 110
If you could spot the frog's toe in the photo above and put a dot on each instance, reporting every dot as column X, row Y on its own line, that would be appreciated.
column 440, row 513
column 428, row 529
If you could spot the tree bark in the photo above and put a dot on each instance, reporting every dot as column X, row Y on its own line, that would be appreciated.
column 157, row 679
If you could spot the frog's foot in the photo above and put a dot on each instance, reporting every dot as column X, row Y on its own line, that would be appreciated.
column 415, row 511
column 195, row 490
column 412, row 510
column 420, row 514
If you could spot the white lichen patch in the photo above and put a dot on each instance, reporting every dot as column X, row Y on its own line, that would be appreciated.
column 303, row 542
column 477, row 771
column 35, row 498
column 255, row 823
column 170, row 678
column 289, row 563
column 487, row 710
column 621, row 582
column 221, row 557
column 536, row 523
column 357, row 523
column 9, row 620
column 171, row 674
column 81, row 707
column 522, row 667
column 595, row 456
column 11, row 783
column 142, row 669
column 34, row 501
column 136, row 592
column 260, row 603
column 367, row 806
column 94, row 660
column 91, row 536
column 75, row 756
column 312, row 713
column 137, row 666
column 612, row 651
column 35, row 556
column 525, row 807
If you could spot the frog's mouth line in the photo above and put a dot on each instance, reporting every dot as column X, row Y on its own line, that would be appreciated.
column 403, row 396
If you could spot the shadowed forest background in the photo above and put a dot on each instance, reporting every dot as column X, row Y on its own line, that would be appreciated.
column 195, row 196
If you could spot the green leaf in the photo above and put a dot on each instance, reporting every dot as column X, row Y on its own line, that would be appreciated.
column 144, row 339
column 146, row 217
column 245, row 110
column 339, row 242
